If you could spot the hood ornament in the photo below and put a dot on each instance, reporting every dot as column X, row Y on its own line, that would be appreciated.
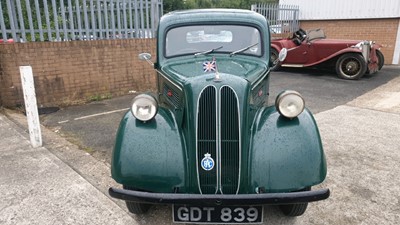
column 211, row 66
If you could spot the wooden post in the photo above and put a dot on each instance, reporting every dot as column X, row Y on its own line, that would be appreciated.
column 31, row 109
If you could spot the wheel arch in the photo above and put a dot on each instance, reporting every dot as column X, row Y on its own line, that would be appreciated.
column 276, row 47
column 149, row 156
column 342, row 73
column 285, row 155
column 335, row 56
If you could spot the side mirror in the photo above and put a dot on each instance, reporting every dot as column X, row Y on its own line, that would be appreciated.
column 146, row 57
column 282, row 55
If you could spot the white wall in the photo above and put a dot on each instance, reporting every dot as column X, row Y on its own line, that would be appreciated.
column 345, row 9
column 396, row 55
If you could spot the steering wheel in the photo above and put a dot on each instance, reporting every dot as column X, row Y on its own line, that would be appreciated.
column 299, row 36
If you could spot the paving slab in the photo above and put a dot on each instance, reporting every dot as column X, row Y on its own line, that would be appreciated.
column 36, row 187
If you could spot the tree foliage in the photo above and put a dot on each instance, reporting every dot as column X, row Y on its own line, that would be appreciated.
column 171, row 5
column 32, row 4
column 37, row 10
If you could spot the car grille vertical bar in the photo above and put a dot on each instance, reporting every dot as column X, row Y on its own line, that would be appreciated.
column 207, row 138
column 230, row 141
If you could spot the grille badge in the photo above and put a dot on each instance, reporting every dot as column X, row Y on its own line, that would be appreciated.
column 207, row 163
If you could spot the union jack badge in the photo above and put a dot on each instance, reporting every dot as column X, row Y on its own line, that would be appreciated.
column 209, row 66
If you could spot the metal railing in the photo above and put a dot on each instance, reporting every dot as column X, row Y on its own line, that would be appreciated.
column 283, row 19
column 64, row 20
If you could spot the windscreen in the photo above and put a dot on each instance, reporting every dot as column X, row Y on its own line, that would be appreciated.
column 188, row 40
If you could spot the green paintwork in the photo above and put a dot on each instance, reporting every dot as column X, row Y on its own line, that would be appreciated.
column 277, row 154
column 149, row 156
column 286, row 152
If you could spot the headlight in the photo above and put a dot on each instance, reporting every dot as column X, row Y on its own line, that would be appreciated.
column 144, row 107
column 359, row 45
column 289, row 104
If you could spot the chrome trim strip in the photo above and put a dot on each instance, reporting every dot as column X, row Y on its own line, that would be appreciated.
column 219, row 185
column 257, row 82
column 218, row 136
column 293, row 65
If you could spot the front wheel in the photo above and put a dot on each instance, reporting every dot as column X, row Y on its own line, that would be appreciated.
column 135, row 207
column 274, row 60
column 351, row 66
column 380, row 62
column 296, row 209
column 381, row 59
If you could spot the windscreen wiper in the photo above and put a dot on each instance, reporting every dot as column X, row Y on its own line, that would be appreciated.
column 208, row 51
column 243, row 49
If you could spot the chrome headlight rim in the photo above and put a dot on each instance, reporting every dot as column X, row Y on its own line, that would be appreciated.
column 290, row 104
column 144, row 107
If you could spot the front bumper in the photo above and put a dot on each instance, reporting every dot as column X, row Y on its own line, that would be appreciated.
column 211, row 199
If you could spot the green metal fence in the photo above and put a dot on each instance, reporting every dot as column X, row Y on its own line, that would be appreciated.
column 64, row 20
column 282, row 19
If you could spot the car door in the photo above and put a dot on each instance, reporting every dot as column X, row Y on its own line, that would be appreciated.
column 299, row 54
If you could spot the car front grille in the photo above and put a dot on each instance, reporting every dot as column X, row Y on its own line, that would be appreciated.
column 172, row 96
column 218, row 134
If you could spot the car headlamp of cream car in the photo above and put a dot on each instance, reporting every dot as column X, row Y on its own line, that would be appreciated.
column 210, row 144
column 144, row 107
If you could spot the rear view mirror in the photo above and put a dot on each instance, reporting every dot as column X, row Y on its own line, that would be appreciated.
column 146, row 56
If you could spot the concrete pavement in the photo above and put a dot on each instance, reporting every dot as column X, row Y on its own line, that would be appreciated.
column 36, row 187
column 362, row 147
column 60, row 184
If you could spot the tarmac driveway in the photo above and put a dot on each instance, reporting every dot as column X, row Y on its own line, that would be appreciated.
column 93, row 126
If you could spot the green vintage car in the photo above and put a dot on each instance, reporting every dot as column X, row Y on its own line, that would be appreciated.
column 208, row 142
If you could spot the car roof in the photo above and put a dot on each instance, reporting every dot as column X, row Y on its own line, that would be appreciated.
column 212, row 15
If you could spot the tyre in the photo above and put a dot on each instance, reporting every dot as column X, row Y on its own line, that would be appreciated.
column 294, row 209
column 381, row 59
column 135, row 207
column 297, row 209
column 351, row 66
column 274, row 62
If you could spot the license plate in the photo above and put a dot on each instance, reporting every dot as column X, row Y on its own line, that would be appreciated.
column 217, row 214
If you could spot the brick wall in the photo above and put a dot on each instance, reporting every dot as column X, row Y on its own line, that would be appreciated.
column 73, row 72
column 383, row 31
